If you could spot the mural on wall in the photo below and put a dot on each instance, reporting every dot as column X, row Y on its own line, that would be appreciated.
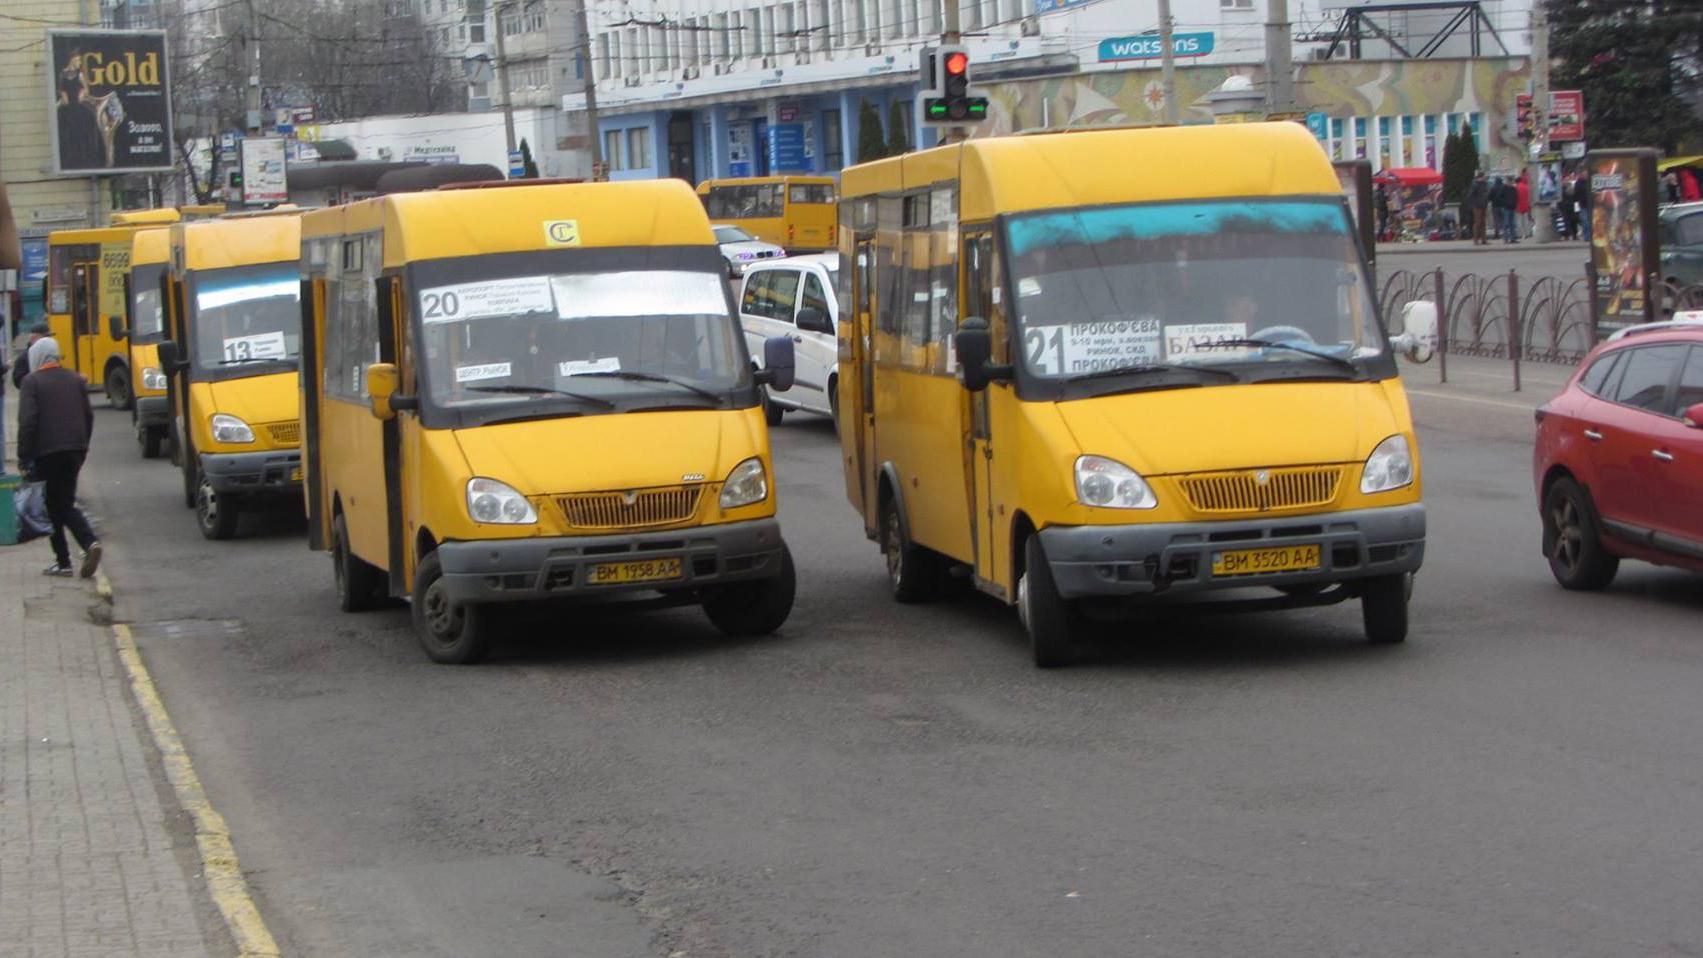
column 1340, row 89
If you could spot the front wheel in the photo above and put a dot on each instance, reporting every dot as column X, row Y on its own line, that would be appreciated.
column 1383, row 608
column 216, row 513
column 1571, row 541
column 749, row 609
column 360, row 585
column 449, row 631
column 1046, row 615
column 118, row 388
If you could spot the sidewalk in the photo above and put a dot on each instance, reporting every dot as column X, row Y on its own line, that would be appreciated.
column 95, row 857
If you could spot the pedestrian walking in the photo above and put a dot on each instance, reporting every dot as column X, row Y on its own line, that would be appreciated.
column 1502, row 203
column 55, row 422
column 1523, row 205
column 1478, row 200
column 1582, row 199
column 1381, row 203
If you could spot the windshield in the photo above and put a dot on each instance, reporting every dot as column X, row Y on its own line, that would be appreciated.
column 1241, row 286
column 146, row 317
column 247, row 316
column 732, row 234
column 645, row 337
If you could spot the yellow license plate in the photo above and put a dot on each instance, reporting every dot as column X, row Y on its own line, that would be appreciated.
column 296, row 474
column 649, row 570
column 1257, row 561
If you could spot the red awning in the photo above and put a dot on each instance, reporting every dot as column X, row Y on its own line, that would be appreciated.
column 1410, row 176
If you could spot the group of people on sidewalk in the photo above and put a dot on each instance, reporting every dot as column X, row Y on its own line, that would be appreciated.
column 1498, row 208
column 55, row 423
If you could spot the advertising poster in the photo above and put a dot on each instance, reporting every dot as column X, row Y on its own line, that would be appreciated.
column 111, row 101
column 1623, row 233
column 262, row 161
column 115, row 262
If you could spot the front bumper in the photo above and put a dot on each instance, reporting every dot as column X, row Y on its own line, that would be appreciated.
column 152, row 411
column 519, row 570
column 1176, row 557
column 279, row 470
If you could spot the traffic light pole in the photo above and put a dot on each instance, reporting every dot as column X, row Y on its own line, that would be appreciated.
column 951, row 35
column 1167, row 62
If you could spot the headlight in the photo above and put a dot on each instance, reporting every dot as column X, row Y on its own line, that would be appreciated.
column 152, row 378
column 230, row 429
column 746, row 484
column 497, row 502
column 1390, row 466
column 1110, row 484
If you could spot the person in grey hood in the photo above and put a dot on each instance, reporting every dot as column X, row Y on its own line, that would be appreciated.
column 54, row 425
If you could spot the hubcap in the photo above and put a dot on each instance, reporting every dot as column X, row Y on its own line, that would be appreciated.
column 1569, row 538
column 1023, row 614
column 895, row 564
column 207, row 502
column 443, row 618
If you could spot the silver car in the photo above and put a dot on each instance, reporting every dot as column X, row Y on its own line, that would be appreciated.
column 741, row 249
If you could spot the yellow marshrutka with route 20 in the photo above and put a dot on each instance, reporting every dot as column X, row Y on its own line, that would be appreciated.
column 518, row 393
column 233, row 290
column 1105, row 367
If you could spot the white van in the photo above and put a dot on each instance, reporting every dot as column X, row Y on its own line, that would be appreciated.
column 795, row 297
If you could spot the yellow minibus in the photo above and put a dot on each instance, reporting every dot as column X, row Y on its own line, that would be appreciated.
column 536, row 392
column 796, row 213
column 233, row 291
column 1089, row 391
column 150, row 412
column 85, row 298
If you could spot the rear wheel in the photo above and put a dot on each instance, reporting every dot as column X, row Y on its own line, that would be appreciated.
column 449, row 631
column 749, row 609
column 1571, row 540
column 215, row 512
column 360, row 585
column 118, row 387
column 1047, row 616
column 913, row 572
column 1383, row 608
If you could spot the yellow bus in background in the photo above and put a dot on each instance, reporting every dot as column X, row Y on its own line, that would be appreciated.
column 150, row 412
column 796, row 213
column 536, row 392
column 84, row 299
column 1086, row 392
column 233, row 291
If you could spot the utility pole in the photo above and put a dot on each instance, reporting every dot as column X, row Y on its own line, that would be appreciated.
column 503, row 75
column 594, row 138
column 252, row 122
column 1543, row 225
column 1167, row 62
column 1280, row 60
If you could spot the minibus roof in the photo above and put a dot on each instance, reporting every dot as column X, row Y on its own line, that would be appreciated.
column 148, row 247
column 236, row 241
column 146, row 217
column 760, row 180
column 97, row 234
column 443, row 224
column 1102, row 167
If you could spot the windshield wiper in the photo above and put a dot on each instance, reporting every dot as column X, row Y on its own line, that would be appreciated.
column 651, row 378
column 1273, row 344
column 1154, row 368
column 542, row 391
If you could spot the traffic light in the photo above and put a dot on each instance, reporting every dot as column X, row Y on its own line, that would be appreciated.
column 950, row 101
column 235, row 180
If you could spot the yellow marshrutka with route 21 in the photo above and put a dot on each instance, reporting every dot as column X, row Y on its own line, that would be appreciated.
column 517, row 393
column 1094, row 368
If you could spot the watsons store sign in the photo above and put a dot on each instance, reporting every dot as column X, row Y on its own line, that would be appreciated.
column 1148, row 47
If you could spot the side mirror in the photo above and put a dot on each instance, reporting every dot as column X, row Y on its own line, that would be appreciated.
column 382, row 380
column 170, row 360
column 974, row 345
column 813, row 320
column 115, row 325
column 1418, row 339
column 779, row 365
column 1694, row 416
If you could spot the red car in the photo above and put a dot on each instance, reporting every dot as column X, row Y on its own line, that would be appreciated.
column 1619, row 457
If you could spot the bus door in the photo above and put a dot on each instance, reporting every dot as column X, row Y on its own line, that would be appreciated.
column 979, row 286
column 859, row 415
column 85, row 319
column 392, row 330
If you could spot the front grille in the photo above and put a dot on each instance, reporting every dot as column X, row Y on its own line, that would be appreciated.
column 284, row 433
column 633, row 509
column 1246, row 492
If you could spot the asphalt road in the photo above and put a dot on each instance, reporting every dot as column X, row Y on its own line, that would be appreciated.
column 1522, row 777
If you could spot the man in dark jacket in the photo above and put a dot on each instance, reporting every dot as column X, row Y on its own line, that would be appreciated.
column 1478, row 201
column 54, row 425
column 21, row 360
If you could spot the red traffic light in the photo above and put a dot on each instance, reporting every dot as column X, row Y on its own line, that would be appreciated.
column 956, row 63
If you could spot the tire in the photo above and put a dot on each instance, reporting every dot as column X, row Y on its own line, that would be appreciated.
column 118, row 387
column 215, row 513
column 1572, row 541
column 834, row 402
column 750, row 609
column 152, row 439
column 450, row 633
column 361, row 587
column 1047, row 617
column 1383, row 608
column 771, row 413
column 913, row 573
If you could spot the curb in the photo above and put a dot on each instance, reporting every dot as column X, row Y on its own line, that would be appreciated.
column 219, row 863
